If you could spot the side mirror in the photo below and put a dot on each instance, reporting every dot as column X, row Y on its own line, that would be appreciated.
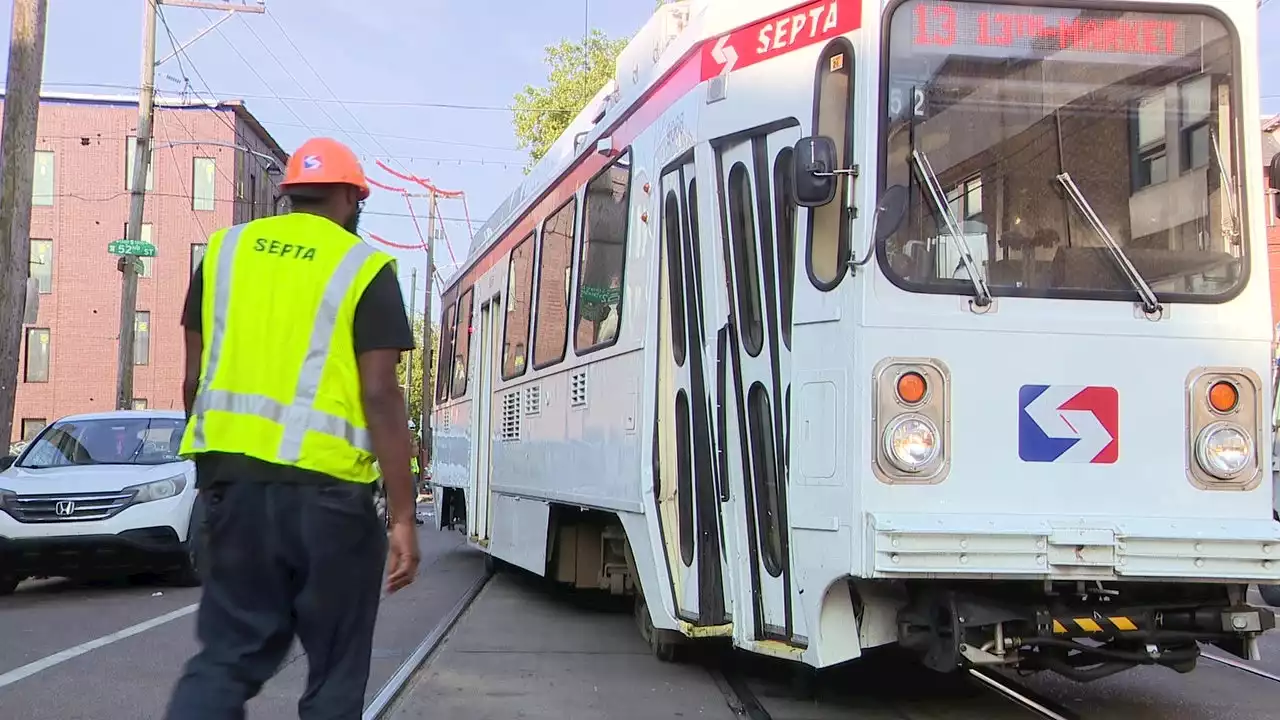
column 7, row 462
column 891, row 211
column 813, row 173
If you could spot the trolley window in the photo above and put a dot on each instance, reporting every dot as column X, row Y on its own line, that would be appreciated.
column 671, row 238
column 784, row 211
column 603, row 258
column 554, row 266
column 444, row 361
column 462, row 345
column 742, row 232
column 828, row 225
column 515, row 344
column 1050, row 132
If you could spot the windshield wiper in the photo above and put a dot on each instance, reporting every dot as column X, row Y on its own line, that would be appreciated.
column 953, row 232
column 1150, row 303
column 1228, row 187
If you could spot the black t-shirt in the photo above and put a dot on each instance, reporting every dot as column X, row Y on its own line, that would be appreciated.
column 380, row 324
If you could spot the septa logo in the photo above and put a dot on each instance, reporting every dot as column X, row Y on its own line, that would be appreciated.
column 1068, row 424
column 311, row 162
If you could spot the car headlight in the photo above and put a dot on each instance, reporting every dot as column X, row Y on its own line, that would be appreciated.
column 159, row 489
column 1223, row 450
column 911, row 442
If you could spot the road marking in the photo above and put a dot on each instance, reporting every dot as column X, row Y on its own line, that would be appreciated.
column 30, row 669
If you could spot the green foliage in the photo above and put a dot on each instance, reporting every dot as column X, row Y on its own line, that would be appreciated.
column 415, row 390
column 577, row 72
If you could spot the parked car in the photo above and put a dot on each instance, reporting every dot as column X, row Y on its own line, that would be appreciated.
column 97, row 495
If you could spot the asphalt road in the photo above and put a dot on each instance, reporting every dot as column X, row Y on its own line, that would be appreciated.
column 129, row 677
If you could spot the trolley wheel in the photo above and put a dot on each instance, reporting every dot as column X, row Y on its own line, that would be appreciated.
column 8, row 583
column 494, row 565
column 666, row 645
column 1270, row 594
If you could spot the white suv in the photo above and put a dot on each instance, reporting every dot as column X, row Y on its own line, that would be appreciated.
column 100, row 494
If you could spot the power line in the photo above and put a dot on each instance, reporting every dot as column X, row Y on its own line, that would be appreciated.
column 116, row 195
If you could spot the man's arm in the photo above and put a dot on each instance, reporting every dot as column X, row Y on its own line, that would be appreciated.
column 381, row 333
column 193, row 339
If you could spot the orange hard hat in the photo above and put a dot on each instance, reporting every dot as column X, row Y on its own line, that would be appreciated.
column 325, row 161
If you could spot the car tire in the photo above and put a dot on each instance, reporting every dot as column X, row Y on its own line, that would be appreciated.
column 8, row 584
column 187, row 574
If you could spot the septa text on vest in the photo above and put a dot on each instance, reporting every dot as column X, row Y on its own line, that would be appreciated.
column 288, row 250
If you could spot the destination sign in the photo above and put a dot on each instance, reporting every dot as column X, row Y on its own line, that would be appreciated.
column 1018, row 30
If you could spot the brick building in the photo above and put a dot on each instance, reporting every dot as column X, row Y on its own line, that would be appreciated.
column 212, row 166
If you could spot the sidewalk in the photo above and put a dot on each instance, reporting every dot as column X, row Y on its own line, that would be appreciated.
column 520, row 652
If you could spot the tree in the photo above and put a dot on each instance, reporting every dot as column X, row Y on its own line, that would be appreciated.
column 415, row 390
column 577, row 72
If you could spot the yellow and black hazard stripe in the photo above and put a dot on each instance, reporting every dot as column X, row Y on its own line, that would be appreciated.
column 1096, row 625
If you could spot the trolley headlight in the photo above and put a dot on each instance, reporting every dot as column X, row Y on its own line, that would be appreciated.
column 911, row 442
column 1223, row 450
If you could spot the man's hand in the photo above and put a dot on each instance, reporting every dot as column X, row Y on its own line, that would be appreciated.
column 402, row 555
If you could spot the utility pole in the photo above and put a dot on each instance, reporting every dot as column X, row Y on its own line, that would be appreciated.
column 137, row 196
column 428, row 337
column 138, row 193
column 408, row 366
column 17, row 165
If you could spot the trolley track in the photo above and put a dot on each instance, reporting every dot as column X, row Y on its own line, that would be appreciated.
column 1240, row 665
column 384, row 703
column 1021, row 695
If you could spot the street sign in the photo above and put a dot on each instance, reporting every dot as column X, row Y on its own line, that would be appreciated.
column 131, row 247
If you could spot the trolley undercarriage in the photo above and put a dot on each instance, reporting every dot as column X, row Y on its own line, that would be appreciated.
column 1084, row 630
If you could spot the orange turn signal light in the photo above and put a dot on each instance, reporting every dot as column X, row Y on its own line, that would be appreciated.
column 1223, row 396
column 911, row 388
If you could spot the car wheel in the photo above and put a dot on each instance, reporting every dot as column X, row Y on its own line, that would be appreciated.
column 187, row 574
column 8, row 584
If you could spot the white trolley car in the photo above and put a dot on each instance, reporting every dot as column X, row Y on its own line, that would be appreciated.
column 832, row 325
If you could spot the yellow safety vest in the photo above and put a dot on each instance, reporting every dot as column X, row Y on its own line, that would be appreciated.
column 278, row 375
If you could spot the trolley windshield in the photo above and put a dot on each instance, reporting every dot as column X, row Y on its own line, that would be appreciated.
column 1057, row 143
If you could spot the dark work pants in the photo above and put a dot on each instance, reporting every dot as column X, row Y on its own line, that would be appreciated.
column 285, row 559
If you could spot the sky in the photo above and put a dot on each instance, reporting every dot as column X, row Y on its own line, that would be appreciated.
column 393, row 64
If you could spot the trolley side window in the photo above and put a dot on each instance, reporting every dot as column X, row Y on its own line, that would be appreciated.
column 742, row 233
column 444, row 367
column 675, row 276
column 784, row 200
column 515, row 345
column 462, row 345
column 554, row 265
column 828, row 226
column 603, row 258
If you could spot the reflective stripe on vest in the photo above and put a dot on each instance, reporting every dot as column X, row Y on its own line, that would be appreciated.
column 299, row 416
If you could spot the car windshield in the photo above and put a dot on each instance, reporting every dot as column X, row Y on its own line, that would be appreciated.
column 106, row 441
column 1018, row 107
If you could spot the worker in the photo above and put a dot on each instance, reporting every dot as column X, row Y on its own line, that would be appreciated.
column 294, row 328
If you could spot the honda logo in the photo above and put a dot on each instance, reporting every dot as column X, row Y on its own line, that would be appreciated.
column 64, row 508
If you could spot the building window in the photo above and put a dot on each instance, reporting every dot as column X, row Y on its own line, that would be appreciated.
column 1195, row 97
column 197, row 255
column 36, row 363
column 31, row 427
column 130, row 152
column 1150, row 163
column 515, row 348
column 139, row 403
column 41, row 260
column 604, row 252
column 141, row 338
column 202, row 183
column 554, row 266
column 42, row 186
column 253, row 196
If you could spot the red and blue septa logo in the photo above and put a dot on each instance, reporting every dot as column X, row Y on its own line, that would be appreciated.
column 1069, row 424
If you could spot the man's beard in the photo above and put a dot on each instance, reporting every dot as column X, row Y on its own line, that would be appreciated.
column 353, row 224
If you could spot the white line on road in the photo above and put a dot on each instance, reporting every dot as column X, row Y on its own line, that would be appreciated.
column 30, row 669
